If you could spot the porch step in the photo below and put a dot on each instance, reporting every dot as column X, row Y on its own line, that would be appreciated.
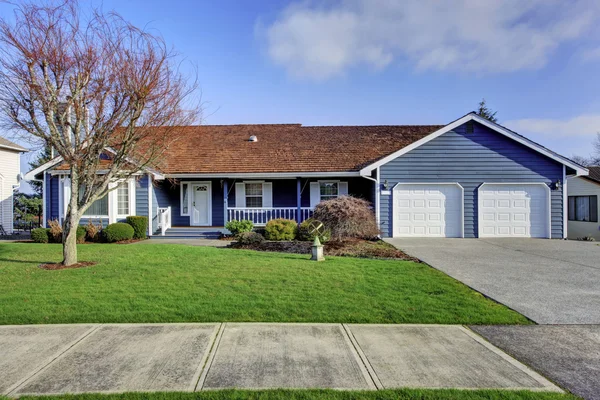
column 190, row 233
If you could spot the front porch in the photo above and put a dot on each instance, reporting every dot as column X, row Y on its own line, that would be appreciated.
column 193, row 207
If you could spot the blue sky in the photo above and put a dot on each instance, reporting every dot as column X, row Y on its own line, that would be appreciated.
column 355, row 62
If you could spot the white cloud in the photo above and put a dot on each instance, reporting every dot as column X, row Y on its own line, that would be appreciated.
column 465, row 35
column 582, row 125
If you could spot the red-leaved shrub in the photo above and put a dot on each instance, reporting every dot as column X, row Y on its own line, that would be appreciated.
column 347, row 217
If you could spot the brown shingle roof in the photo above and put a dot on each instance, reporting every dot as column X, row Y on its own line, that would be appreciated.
column 284, row 148
column 594, row 174
column 7, row 143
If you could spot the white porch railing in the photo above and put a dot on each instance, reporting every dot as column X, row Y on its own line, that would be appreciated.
column 260, row 216
column 164, row 219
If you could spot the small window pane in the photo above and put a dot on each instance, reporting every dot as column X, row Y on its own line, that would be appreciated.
column 123, row 199
column 582, row 208
column 254, row 202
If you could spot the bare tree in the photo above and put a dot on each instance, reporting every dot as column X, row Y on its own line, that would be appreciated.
column 104, row 94
column 594, row 157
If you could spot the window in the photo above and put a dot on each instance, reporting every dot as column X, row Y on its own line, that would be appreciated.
column 123, row 199
column 328, row 190
column 184, row 199
column 99, row 208
column 583, row 208
column 254, row 195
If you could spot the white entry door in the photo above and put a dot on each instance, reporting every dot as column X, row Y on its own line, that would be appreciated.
column 514, row 210
column 431, row 209
column 201, row 205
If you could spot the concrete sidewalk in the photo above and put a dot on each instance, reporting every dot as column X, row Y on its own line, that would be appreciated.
column 54, row 359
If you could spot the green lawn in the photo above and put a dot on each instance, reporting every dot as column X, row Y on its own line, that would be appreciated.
column 400, row 394
column 178, row 283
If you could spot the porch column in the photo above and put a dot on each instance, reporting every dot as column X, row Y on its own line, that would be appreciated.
column 225, row 192
column 298, row 200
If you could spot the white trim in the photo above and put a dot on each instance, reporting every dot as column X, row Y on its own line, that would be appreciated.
column 44, row 200
column 378, row 200
column 565, row 202
column 181, row 213
column 193, row 192
column 149, row 176
column 462, row 202
column 549, row 205
column 29, row 176
column 267, row 175
column 500, row 129
column 19, row 149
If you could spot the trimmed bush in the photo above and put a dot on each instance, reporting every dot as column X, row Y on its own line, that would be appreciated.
column 347, row 217
column 80, row 236
column 306, row 227
column 281, row 229
column 250, row 238
column 139, row 224
column 117, row 232
column 40, row 235
column 237, row 227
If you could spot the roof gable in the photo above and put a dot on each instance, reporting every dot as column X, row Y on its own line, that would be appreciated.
column 580, row 170
column 7, row 144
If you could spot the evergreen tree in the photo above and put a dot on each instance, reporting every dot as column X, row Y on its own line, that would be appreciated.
column 43, row 157
column 486, row 113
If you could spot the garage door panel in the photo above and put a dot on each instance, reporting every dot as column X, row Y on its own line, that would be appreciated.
column 517, row 210
column 428, row 210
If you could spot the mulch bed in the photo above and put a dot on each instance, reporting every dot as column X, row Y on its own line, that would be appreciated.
column 346, row 248
column 56, row 266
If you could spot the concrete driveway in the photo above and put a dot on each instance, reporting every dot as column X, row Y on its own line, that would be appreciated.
column 549, row 281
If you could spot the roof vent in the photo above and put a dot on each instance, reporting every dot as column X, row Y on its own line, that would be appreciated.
column 253, row 139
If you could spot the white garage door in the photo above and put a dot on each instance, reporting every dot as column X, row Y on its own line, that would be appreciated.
column 514, row 210
column 431, row 209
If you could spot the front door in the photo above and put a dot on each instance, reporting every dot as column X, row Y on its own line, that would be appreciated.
column 201, row 204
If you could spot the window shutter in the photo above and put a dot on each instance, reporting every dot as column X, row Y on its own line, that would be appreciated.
column 593, row 208
column 268, row 194
column 343, row 189
column 315, row 194
column 240, row 195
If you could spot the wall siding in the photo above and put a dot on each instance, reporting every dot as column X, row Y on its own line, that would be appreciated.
column 472, row 159
column 578, row 229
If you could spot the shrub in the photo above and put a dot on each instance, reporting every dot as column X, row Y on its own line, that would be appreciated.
column 281, row 229
column 250, row 238
column 80, row 236
column 117, row 232
column 139, row 224
column 237, row 227
column 347, row 217
column 93, row 231
column 55, row 232
column 40, row 235
column 307, row 231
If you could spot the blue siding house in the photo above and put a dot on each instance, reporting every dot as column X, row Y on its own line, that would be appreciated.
column 471, row 178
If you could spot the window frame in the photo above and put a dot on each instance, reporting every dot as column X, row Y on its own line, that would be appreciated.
column 261, row 196
column 572, row 208
column 329, row 197
column 107, row 197
column 130, row 199
column 181, row 199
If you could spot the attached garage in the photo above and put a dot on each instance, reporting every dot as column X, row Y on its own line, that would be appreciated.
column 514, row 210
column 428, row 210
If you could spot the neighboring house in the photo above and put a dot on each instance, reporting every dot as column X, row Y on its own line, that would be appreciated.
column 10, row 161
column 470, row 178
column 583, row 194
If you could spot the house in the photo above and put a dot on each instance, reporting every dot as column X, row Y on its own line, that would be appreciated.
column 470, row 178
column 10, row 167
column 583, row 192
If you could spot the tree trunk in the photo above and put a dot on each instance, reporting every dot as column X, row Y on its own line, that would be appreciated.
column 70, row 239
column 71, row 223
